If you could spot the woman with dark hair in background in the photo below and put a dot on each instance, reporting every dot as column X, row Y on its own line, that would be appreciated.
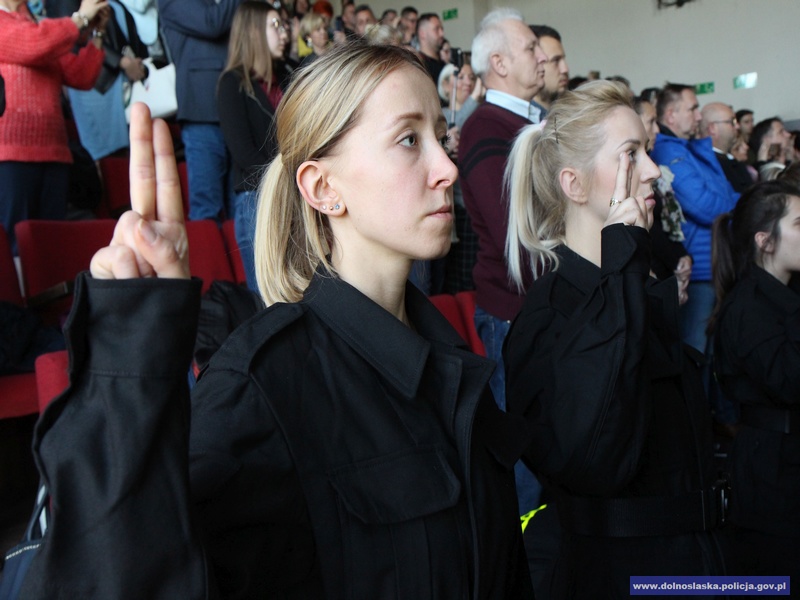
column 756, row 329
column 249, row 90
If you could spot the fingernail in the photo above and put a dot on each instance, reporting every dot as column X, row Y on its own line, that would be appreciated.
column 148, row 233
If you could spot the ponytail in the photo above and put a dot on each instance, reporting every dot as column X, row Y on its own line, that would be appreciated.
column 532, row 223
column 722, row 264
column 286, row 256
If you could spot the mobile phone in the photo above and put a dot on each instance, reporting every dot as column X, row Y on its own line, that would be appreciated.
column 457, row 57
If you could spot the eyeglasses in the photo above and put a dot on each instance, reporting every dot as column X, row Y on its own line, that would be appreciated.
column 278, row 25
column 731, row 122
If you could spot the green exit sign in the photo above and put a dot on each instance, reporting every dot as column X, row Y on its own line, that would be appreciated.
column 704, row 88
column 450, row 14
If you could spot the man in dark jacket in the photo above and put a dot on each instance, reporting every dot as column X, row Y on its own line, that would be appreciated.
column 197, row 35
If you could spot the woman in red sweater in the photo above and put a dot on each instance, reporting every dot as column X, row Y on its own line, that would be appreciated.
column 36, row 59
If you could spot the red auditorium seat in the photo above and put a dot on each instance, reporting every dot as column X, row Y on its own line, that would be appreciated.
column 184, row 177
column 235, row 256
column 207, row 255
column 9, row 282
column 466, row 302
column 52, row 376
column 447, row 305
column 115, row 171
column 52, row 253
column 17, row 392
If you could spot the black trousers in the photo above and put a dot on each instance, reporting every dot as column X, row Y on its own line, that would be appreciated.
column 31, row 190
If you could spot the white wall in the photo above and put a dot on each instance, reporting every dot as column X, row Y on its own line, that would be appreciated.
column 705, row 40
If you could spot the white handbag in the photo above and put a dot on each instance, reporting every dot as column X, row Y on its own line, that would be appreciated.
column 157, row 91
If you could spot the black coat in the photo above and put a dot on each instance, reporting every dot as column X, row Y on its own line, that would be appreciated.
column 736, row 172
column 333, row 453
column 248, row 126
column 615, row 405
column 757, row 361
column 197, row 36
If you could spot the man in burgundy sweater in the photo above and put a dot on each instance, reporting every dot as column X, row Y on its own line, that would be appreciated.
column 507, row 57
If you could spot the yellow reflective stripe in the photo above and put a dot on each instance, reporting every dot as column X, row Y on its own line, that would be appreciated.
column 527, row 517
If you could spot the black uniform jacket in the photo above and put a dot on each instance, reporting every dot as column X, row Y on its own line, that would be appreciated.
column 334, row 453
column 595, row 365
column 757, row 360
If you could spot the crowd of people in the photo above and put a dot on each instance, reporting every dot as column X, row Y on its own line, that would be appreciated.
column 633, row 259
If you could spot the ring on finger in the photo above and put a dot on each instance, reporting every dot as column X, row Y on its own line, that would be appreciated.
column 614, row 201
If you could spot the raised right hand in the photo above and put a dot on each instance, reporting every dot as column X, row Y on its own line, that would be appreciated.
column 150, row 240
column 626, row 208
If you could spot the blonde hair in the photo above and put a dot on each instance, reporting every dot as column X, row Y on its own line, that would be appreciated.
column 383, row 34
column 321, row 105
column 309, row 23
column 571, row 137
column 248, row 45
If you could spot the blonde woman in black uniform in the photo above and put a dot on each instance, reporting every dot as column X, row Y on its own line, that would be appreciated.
column 621, row 430
column 343, row 443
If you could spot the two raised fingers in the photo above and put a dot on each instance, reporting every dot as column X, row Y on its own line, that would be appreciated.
column 625, row 208
column 149, row 240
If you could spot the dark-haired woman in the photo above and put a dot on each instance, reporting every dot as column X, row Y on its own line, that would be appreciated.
column 756, row 327
column 250, row 88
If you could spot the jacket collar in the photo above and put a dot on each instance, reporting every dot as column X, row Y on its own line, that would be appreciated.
column 666, row 131
column 396, row 351
column 579, row 272
column 785, row 297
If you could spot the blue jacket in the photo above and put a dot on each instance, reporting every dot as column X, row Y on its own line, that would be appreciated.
column 702, row 190
column 197, row 35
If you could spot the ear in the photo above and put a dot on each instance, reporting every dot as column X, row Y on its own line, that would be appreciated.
column 314, row 185
column 668, row 112
column 497, row 62
column 764, row 242
column 572, row 185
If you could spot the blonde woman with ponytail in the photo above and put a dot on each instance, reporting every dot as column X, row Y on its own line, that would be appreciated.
column 343, row 443
column 621, row 431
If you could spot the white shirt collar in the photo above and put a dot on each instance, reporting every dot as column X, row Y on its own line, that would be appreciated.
column 518, row 106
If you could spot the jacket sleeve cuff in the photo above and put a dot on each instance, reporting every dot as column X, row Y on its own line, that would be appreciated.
column 134, row 326
column 625, row 248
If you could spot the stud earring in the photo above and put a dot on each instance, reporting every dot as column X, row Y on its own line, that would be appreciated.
column 324, row 207
column 336, row 207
